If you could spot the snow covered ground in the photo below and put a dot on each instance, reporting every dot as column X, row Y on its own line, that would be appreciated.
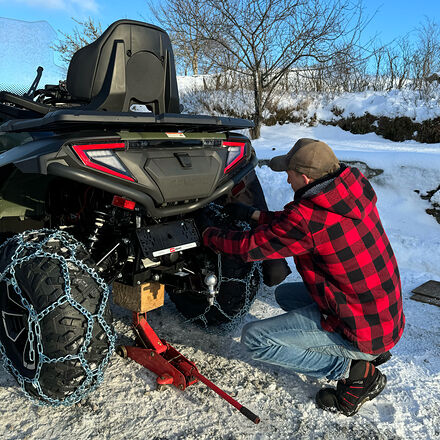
column 127, row 405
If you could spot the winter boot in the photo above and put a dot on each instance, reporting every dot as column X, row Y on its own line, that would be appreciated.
column 364, row 383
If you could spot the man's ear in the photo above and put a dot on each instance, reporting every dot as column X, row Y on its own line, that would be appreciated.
column 306, row 179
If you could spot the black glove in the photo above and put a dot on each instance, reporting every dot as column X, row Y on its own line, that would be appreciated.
column 239, row 211
column 275, row 271
column 204, row 219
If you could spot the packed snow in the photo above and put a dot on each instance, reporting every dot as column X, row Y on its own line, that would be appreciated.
column 128, row 406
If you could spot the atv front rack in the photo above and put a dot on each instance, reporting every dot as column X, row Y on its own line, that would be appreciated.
column 171, row 367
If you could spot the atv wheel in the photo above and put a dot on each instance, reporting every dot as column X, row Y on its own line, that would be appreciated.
column 56, row 343
column 239, row 281
column 239, row 285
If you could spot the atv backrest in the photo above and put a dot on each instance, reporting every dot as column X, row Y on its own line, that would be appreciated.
column 130, row 63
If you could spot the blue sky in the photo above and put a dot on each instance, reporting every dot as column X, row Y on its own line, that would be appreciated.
column 394, row 17
column 59, row 13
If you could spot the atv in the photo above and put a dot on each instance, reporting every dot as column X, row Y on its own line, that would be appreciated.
column 104, row 182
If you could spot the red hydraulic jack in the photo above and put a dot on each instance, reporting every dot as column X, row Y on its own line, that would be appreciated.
column 171, row 367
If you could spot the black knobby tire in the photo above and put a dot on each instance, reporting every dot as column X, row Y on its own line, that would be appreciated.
column 63, row 330
column 233, row 296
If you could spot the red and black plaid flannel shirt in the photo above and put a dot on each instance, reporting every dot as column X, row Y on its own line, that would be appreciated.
column 333, row 231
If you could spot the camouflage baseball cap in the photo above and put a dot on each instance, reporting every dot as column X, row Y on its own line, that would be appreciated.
column 308, row 156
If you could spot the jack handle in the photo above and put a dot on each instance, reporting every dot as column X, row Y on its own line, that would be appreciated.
column 245, row 411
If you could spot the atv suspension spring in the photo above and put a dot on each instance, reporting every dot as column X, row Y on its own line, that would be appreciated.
column 100, row 221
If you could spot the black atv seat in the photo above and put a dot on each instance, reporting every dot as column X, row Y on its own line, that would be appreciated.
column 130, row 63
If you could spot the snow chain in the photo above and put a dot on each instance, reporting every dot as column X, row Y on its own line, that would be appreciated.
column 236, row 319
column 256, row 270
column 30, row 245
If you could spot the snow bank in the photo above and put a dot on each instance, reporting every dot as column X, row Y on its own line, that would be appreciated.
column 395, row 103
column 306, row 106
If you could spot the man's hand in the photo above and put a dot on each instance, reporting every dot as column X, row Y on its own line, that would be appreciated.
column 204, row 219
column 239, row 211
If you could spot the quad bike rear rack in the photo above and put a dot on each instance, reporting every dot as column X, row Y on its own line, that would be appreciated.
column 171, row 367
column 70, row 119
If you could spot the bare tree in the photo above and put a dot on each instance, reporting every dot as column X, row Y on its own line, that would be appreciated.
column 189, row 47
column 345, row 71
column 400, row 58
column 261, row 40
column 426, row 60
column 84, row 33
column 379, row 54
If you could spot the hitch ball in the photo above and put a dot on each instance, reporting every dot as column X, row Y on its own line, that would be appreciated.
column 211, row 282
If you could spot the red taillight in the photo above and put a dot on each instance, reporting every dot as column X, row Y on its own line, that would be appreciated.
column 120, row 202
column 236, row 152
column 238, row 188
column 102, row 157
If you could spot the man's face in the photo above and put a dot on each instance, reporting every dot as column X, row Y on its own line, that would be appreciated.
column 295, row 180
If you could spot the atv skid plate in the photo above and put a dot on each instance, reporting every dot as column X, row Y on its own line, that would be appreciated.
column 171, row 367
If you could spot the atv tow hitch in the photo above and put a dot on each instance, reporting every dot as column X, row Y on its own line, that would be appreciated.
column 171, row 367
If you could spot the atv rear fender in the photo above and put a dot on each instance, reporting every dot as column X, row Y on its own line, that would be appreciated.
column 162, row 184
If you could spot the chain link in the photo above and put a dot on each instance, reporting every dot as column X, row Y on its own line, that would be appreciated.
column 255, row 271
column 36, row 244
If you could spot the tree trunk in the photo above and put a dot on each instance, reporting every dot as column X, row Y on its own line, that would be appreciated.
column 256, row 131
column 195, row 64
column 258, row 104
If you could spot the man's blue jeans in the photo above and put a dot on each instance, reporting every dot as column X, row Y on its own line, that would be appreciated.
column 295, row 340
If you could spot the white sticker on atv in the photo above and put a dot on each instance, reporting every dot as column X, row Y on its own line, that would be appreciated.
column 175, row 135
column 174, row 249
